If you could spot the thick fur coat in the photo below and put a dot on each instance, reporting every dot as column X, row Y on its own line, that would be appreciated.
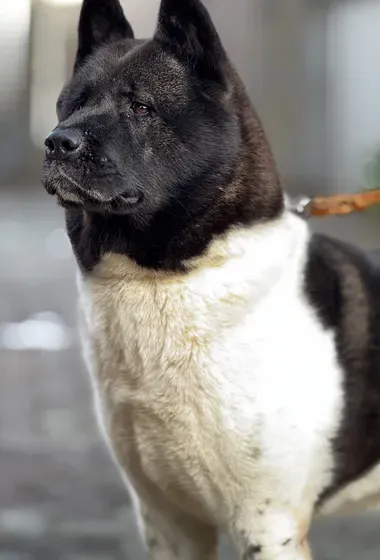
column 235, row 357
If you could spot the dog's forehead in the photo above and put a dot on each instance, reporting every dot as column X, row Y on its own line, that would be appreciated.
column 143, row 67
column 153, row 69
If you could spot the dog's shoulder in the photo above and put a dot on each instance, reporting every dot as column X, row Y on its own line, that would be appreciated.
column 336, row 274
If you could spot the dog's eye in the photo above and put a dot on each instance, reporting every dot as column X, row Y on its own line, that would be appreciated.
column 140, row 108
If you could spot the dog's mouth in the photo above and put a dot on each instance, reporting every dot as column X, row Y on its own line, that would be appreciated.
column 70, row 194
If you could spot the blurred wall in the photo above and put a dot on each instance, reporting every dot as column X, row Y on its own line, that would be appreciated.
column 14, row 72
column 354, row 88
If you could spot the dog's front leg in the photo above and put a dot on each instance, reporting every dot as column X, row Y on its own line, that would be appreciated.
column 261, row 534
column 170, row 534
column 168, row 531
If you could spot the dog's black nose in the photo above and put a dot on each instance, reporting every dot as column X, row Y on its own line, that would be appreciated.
column 63, row 143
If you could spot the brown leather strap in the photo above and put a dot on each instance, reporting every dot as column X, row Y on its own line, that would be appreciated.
column 343, row 204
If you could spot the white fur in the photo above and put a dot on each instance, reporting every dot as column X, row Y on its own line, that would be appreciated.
column 219, row 390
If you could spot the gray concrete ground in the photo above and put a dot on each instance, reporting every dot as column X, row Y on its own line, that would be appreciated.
column 60, row 494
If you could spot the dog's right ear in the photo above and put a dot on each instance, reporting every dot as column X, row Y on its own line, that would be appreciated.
column 100, row 22
column 185, row 26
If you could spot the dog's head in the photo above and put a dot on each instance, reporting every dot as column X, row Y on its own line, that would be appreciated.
column 158, row 135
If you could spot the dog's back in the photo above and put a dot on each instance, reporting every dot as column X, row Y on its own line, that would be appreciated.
column 344, row 286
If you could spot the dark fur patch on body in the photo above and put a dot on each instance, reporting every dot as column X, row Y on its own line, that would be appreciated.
column 252, row 552
column 344, row 287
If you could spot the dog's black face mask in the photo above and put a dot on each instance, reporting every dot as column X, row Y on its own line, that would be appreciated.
column 157, row 145
column 141, row 123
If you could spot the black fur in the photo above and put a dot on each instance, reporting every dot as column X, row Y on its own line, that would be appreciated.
column 344, row 286
column 172, row 151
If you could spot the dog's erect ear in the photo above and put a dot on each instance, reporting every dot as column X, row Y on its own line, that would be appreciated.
column 100, row 22
column 186, row 26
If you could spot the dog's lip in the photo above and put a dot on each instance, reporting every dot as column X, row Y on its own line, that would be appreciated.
column 78, row 195
column 88, row 199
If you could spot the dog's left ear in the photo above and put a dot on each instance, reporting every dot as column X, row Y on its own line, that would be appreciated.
column 185, row 26
column 100, row 22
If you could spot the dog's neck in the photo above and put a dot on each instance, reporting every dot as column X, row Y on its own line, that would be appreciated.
column 251, row 193
column 260, row 255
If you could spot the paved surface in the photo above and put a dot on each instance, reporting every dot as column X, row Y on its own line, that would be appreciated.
column 60, row 494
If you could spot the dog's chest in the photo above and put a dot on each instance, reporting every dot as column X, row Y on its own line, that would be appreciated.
column 176, row 354
column 201, row 380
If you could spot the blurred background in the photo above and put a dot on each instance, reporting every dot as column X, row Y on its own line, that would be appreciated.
column 311, row 67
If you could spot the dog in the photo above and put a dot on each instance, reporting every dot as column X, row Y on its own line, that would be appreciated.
column 235, row 356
